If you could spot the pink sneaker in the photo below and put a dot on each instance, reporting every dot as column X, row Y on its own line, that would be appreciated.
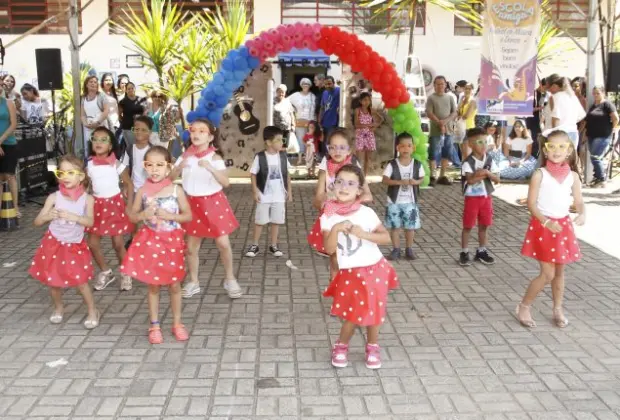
column 339, row 355
column 373, row 356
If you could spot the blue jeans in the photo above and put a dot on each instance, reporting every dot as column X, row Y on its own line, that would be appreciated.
column 456, row 160
column 440, row 147
column 598, row 147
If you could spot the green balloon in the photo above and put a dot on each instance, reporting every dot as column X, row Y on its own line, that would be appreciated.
column 399, row 117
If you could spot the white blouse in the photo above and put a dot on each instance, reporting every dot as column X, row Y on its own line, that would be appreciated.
column 554, row 198
column 198, row 181
column 105, row 179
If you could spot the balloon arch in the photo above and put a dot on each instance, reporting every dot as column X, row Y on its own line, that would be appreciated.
column 351, row 50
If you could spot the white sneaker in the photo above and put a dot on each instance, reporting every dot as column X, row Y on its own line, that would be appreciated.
column 190, row 289
column 125, row 282
column 233, row 289
column 104, row 278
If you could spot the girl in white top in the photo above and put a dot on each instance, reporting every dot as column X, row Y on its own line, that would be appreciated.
column 352, row 232
column 106, row 174
column 550, row 237
column 204, row 176
column 566, row 109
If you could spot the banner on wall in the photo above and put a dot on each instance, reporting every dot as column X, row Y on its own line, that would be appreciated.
column 508, row 61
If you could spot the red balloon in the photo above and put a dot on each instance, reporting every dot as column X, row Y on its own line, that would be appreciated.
column 404, row 98
column 362, row 55
column 377, row 67
column 396, row 92
column 386, row 77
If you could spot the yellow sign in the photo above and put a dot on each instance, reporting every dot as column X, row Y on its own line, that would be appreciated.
column 511, row 14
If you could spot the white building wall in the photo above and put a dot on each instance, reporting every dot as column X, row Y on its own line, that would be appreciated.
column 456, row 57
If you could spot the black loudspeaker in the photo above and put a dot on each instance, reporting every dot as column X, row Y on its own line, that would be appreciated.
column 613, row 72
column 49, row 68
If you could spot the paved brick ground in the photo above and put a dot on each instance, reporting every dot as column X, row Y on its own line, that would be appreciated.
column 452, row 348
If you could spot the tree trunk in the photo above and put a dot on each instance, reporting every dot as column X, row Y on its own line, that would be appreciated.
column 413, row 23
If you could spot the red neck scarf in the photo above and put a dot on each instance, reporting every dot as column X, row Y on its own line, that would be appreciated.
column 558, row 170
column 193, row 151
column 72, row 193
column 107, row 160
column 334, row 167
column 333, row 207
column 151, row 188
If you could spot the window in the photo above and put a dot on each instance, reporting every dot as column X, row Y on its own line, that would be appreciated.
column 462, row 28
column 19, row 16
column 348, row 15
column 117, row 9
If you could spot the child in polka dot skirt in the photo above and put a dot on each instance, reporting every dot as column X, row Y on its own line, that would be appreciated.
column 550, row 237
column 63, row 260
column 204, row 177
column 106, row 174
column 360, row 287
column 157, row 253
column 339, row 148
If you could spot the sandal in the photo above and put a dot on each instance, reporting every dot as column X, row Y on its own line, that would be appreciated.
column 180, row 332
column 56, row 318
column 559, row 319
column 529, row 323
column 90, row 324
column 155, row 336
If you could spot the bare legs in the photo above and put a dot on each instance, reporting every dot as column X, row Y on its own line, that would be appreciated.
column 274, row 230
column 175, row 302
column 348, row 329
column 94, row 243
column 549, row 273
column 223, row 246
column 395, row 235
column 87, row 295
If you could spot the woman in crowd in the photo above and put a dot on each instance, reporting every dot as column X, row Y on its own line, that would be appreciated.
column 8, row 148
column 9, row 88
column 158, row 106
column 107, row 87
column 601, row 120
column 131, row 106
column 121, row 84
column 566, row 109
column 579, row 87
column 284, row 118
column 517, row 161
column 169, row 116
column 33, row 109
column 305, row 105
column 95, row 108
column 467, row 110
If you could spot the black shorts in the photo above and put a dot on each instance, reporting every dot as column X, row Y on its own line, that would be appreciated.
column 8, row 162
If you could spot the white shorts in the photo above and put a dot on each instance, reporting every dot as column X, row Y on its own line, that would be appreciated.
column 270, row 213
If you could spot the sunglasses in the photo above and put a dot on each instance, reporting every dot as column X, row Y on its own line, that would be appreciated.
column 105, row 139
column 479, row 142
column 140, row 130
column 276, row 141
column 340, row 148
column 552, row 147
column 349, row 185
column 153, row 165
column 199, row 131
column 61, row 174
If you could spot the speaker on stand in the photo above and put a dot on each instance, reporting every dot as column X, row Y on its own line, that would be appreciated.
column 49, row 75
column 612, row 84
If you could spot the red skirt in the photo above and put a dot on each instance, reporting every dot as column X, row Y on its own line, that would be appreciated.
column 542, row 244
column 315, row 237
column 212, row 216
column 360, row 294
column 60, row 264
column 110, row 217
column 156, row 257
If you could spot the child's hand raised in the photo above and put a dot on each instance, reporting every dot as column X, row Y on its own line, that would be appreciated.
column 165, row 214
column 52, row 214
column 357, row 230
column 68, row 216
column 206, row 164
column 344, row 226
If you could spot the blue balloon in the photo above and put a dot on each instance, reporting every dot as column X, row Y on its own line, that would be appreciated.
column 218, row 78
column 232, row 54
column 221, row 101
column 227, row 64
column 216, row 119
column 185, row 136
column 202, row 113
column 230, row 86
column 210, row 105
column 240, row 63
column 191, row 116
column 219, row 91
column 240, row 75
column 229, row 75
column 253, row 62
column 244, row 51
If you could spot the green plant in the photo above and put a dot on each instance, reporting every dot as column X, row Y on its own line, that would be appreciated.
column 64, row 97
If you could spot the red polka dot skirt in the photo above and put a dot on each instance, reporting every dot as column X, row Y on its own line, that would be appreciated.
column 212, row 216
column 360, row 294
column 315, row 237
column 542, row 244
column 60, row 264
column 110, row 217
column 156, row 257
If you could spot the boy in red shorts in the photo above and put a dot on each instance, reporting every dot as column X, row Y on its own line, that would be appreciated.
column 478, row 173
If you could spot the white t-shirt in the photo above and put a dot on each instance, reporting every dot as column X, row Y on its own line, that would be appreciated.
column 275, row 188
column 519, row 144
column 490, row 140
column 35, row 112
column 198, row 181
column 352, row 251
column 405, row 192
column 113, row 114
column 477, row 189
column 138, row 173
column 567, row 109
column 305, row 105
column 105, row 179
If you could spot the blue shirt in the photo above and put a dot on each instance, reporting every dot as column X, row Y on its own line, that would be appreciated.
column 330, row 103
column 5, row 122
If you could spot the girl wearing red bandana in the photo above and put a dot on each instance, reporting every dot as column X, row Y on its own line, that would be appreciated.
column 339, row 147
column 157, row 253
column 63, row 260
column 106, row 174
column 204, row 177
column 352, row 232
column 550, row 237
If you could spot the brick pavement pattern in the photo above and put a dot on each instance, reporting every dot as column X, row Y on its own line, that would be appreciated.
column 452, row 348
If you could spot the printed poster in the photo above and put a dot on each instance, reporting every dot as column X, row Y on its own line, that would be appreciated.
column 508, row 62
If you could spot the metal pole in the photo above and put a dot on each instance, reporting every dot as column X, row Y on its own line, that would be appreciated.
column 75, row 73
column 592, row 69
